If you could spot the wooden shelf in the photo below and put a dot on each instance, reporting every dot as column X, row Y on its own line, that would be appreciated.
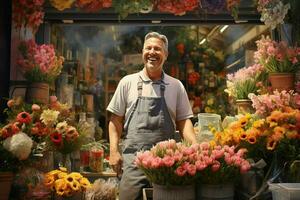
column 99, row 174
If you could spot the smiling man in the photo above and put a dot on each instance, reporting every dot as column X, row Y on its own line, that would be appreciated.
column 147, row 107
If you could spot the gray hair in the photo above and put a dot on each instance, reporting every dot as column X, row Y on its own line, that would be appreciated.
column 158, row 36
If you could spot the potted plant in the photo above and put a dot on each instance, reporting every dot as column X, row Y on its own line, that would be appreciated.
column 40, row 67
column 279, row 60
column 243, row 82
column 173, row 168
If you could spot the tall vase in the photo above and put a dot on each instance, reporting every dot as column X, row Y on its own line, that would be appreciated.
column 282, row 81
column 37, row 92
column 244, row 106
column 65, row 161
column 163, row 192
column 215, row 192
column 6, row 179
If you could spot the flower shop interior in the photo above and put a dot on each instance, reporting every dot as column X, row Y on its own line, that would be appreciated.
column 62, row 61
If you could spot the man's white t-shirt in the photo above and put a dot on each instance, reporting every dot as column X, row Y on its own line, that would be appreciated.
column 126, row 95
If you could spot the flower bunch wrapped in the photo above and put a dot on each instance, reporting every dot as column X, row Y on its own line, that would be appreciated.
column 93, row 5
column 245, row 81
column 171, row 163
column 277, row 57
column 266, row 103
column 62, row 4
column 66, row 184
column 272, row 12
column 177, row 7
column 124, row 7
column 27, row 13
column 39, row 62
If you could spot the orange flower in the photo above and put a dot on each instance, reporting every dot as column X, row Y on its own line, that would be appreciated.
column 271, row 144
column 251, row 139
column 292, row 134
column 243, row 135
column 274, row 117
column 278, row 133
column 243, row 121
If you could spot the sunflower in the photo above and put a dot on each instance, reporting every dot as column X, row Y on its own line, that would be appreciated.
column 76, row 175
column 271, row 144
column 49, row 180
column 24, row 117
column 60, row 186
column 74, row 185
column 54, row 173
column 62, row 175
column 85, row 183
column 63, row 169
column 251, row 139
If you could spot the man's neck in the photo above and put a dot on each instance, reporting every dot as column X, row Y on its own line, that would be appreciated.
column 153, row 75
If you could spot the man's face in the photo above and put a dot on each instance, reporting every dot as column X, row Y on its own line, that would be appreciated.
column 154, row 54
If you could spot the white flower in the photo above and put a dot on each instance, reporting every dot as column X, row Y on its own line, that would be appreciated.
column 49, row 117
column 62, row 127
column 19, row 145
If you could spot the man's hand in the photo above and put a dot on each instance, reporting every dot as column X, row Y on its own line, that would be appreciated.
column 115, row 161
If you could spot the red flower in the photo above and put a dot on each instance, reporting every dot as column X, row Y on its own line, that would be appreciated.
column 56, row 138
column 16, row 127
column 24, row 117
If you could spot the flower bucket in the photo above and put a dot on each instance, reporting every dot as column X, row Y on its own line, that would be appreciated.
column 37, row 92
column 6, row 179
column 163, row 192
column 244, row 106
column 215, row 192
column 282, row 81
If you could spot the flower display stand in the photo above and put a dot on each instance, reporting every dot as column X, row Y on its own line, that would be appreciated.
column 6, row 179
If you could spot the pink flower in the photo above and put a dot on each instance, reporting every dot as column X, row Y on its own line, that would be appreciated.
column 168, row 161
column 241, row 152
column 245, row 167
column 215, row 166
column 53, row 99
column 200, row 165
column 35, row 107
column 156, row 162
column 180, row 171
column 204, row 146
column 11, row 103
column 191, row 169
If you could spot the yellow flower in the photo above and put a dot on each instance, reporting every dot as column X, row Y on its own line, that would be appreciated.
column 69, row 179
column 49, row 180
column 212, row 143
column 60, row 186
column 76, row 175
column 61, row 5
column 271, row 144
column 54, row 172
column 61, row 127
column 210, row 101
column 49, row 117
column 251, row 139
column 273, row 124
column 85, row 183
column 207, row 109
column 258, row 123
column 74, row 185
column 62, row 175
column 243, row 121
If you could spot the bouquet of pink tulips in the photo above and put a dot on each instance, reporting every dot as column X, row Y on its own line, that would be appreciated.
column 171, row 163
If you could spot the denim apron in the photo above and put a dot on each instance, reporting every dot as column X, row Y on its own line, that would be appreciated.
column 149, row 122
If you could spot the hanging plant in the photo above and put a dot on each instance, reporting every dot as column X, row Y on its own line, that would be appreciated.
column 27, row 14
column 93, row 5
column 233, row 7
column 213, row 5
column 62, row 4
column 125, row 7
column 176, row 7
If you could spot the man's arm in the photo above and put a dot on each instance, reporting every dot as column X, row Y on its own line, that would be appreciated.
column 115, row 129
column 186, row 130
